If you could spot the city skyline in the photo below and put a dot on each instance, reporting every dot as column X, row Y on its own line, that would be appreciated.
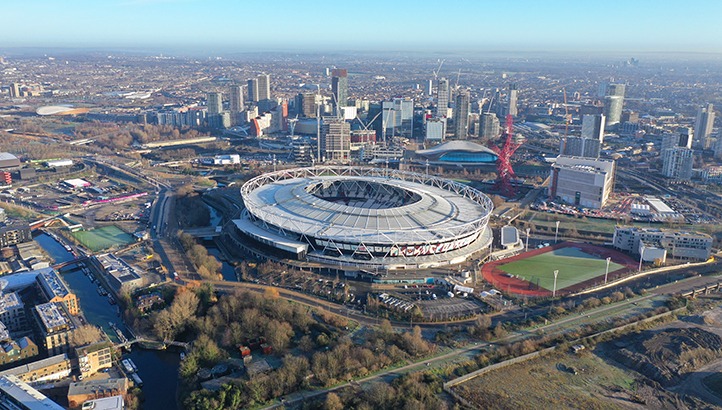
column 561, row 25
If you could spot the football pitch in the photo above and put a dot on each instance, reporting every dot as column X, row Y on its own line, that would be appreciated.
column 103, row 238
column 574, row 266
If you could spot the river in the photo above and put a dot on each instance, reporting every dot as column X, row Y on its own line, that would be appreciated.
column 227, row 270
column 158, row 369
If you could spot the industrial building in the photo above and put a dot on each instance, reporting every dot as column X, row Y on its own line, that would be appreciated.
column 118, row 272
column 8, row 160
column 582, row 181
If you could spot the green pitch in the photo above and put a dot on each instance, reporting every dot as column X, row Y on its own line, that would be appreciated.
column 103, row 238
column 574, row 266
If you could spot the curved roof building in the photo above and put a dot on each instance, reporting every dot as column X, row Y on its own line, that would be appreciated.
column 366, row 217
column 458, row 152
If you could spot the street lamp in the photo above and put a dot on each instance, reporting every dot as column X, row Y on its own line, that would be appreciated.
column 556, row 233
column 606, row 273
column 527, row 239
column 554, row 289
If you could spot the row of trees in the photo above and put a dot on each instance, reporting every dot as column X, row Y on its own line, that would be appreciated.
column 207, row 266
column 190, row 208
column 110, row 135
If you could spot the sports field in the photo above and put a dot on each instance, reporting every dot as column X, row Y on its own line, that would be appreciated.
column 103, row 238
column 574, row 266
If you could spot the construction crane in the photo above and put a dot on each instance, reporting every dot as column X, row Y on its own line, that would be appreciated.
column 504, row 170
column 456, row 86
column 436, row 72
column 567, row 117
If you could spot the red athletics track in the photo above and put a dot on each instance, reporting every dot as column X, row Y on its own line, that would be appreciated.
column 500, row 279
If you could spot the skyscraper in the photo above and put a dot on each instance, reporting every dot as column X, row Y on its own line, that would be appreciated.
column 214, row 102
column 682, row 138
column 253, row 90
column 435, row 130
column 236, row 99
column 442, row 98
column 14, row 90
column 264, row 87
column 613, row 104
column 397, row 118
column 703, row 127
column 461, row 115
column 512, row 100
column 335, row 139
column 580, row 147
column 593, row 127
column 339, row 88
column 489, row 126
column 677, row 163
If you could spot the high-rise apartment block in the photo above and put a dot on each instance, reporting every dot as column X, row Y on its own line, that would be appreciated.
column 593, row 127
column 677, row 163
column 614, row 103
column 339, row 88
column 236, row 99
column 214, row 103
column 511, row 100
column 703, row 127
column 442, row 98
column 253, row 95
column 336, row 139
column 461, row 115
column 489, row 126
column 264, row 87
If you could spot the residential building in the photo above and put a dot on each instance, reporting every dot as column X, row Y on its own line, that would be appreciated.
column 309, row 104
column 53, row 368
column 435, row 130
column 703, row 127
column 339, row 89
column 55, row 290
column 253, row 90
column 335, row 139
column 214, row 102
column 236, row 99
column 14, row 233
column 12, row 312
column 94, row 357
column 511, row 100
column 106, row 403
column 461, row 115
column 613, row 104
column 397, row 118
column 580, row 147
column 677, row 244
column 16, row 394
column 55, row 327
column 582, row 181
column 16, row 350
column 593, row 127
column 144, row 303
column 682, row 138
column 489, row 126
column 443, row 95
column 264, row 87
column 677, row 163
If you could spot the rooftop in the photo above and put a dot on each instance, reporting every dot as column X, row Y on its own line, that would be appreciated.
column 119, row 385
column 36, row 365
column 22, row 392
column 53, row 316
column 51, row 283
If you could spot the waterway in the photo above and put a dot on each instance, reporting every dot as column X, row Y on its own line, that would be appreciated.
column 227, row 270
column 158, row 369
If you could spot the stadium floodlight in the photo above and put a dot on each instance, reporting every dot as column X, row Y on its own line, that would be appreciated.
column 641, row 257
column 556, row 233
column 527, row 239
column 606, row 272
column 554, row 289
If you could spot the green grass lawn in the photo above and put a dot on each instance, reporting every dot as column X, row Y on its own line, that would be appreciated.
column 574, row 266
column 103, row 238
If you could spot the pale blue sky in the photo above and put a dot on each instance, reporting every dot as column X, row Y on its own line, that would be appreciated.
column 240, row 25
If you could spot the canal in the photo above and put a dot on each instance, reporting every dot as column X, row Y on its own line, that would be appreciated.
column 158, row 369
column 227, row 270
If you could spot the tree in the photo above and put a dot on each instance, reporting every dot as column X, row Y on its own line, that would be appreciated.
column 333, row 402
column 85, row 335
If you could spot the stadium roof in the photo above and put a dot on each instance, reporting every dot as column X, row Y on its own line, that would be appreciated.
column 456, row 145
column 439, row 214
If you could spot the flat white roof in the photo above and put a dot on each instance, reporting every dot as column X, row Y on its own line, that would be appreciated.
column 270, row 238
column 29, row 397
column 659, row 205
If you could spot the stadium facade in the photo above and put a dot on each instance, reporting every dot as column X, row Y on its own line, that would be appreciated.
column 365, row 218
